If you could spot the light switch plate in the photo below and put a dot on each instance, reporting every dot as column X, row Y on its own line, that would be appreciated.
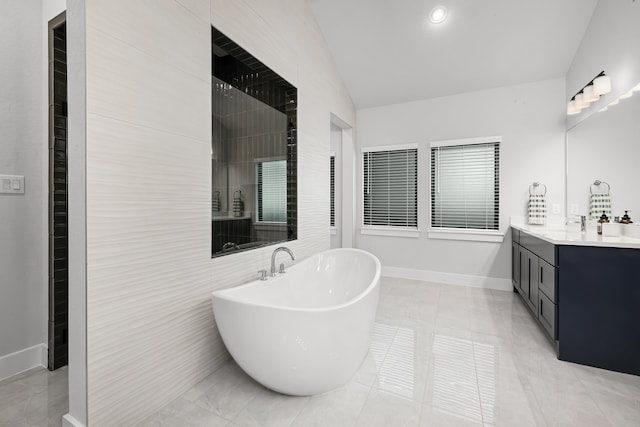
column 574, row 209
column 12, row 184
column 555, row 209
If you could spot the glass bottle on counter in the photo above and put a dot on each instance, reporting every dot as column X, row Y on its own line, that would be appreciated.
column 604, row 218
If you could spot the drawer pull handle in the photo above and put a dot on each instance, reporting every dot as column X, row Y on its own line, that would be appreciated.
column 541, row 270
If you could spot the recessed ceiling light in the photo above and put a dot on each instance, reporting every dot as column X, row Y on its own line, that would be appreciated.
column 438, row 14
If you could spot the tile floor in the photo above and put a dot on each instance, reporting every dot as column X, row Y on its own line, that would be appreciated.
column 441, row 355
column 36, row 398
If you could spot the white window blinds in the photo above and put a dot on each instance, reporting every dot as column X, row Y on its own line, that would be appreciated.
column 391, row 188
column 272, row 191
column 332, row 177
column 465, row 186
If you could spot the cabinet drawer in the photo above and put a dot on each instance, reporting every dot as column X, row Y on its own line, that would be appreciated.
column 515, row 235
column 542, row 248
column 547, row 314
column 515, row 264
column 547, row 279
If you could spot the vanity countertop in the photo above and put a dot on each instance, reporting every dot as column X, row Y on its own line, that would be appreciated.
column 570, row 235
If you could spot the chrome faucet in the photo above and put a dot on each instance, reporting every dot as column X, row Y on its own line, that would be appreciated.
column 273, row 258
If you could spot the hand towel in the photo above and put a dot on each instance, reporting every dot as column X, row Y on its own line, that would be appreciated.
column 598, row 203
column 537, row 209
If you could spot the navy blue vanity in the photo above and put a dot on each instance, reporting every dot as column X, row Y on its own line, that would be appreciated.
column 585, row 293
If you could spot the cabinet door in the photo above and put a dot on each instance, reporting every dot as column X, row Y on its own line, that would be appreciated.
column 515, row 264
column 547, row 312
column 532, row 266
column 523, row 259
column 547, row 279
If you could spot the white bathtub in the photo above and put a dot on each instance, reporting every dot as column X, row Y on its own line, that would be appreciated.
column 306, row 331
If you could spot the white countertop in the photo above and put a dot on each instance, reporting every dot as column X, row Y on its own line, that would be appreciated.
column 560, row 234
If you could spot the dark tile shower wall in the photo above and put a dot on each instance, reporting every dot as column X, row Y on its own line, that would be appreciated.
column 239, row 69
column 58, row 252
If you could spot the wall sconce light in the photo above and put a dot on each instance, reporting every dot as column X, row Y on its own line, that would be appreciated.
column 591, row 92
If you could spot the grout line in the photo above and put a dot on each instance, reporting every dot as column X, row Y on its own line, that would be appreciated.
column 475, row 369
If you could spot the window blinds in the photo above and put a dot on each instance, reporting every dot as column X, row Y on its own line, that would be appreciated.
column 465, row 186
column 391, row 188
column 332, row 177
column 272, row 191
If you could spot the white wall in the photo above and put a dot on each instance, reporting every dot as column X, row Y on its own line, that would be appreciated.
column 23, row 251
column 335, row 147
column 150, row 328
column 611, row 44
column 530, row 118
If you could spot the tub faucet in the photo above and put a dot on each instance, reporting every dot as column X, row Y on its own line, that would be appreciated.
column 273, row 258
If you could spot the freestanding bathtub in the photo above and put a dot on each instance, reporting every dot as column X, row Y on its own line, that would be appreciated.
column 307, row 331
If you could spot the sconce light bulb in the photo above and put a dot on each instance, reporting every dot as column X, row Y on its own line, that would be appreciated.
column 589, row 94
column 571, row 109
column 602, row 85
column 579, row 102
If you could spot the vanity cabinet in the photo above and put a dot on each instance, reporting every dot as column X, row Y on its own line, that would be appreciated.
column 534, row 277
column 586, row 293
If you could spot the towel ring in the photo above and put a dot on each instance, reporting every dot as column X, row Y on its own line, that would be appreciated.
column 598, row 183
column 535, row 185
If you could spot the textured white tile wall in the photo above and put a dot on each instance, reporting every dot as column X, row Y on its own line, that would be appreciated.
column 150, row 329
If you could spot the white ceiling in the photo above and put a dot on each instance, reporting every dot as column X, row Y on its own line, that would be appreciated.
column 388, row 52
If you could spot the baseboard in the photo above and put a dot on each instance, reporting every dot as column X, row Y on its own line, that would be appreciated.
column 449, row 278
column 23, row 360
column 69, row 421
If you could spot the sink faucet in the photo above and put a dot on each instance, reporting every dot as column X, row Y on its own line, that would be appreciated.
column 273, row 258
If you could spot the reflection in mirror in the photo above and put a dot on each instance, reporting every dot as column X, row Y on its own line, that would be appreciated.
column 606, row 147
column 253, row 152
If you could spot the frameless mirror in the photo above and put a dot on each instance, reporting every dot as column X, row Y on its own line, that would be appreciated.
column 606, row 147
column 253, row 152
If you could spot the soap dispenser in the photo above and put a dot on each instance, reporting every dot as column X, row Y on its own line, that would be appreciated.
column 604, row 218
column 626, row 219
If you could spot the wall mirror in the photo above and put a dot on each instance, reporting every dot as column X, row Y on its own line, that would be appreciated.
column 606, row 147
column 253, row 152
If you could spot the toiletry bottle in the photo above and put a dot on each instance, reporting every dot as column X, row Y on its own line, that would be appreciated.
column 626, row 219
column 601, row 221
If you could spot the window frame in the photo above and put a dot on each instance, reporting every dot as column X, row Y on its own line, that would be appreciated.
column 449, row 233
column 380, row 230
column 257, row 221
column 332, row 203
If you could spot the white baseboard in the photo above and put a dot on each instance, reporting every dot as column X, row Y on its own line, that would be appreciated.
column 449, row 278
column 23, row 360
column 69, row 421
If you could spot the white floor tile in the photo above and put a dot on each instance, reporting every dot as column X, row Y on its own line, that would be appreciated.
column 440, row 355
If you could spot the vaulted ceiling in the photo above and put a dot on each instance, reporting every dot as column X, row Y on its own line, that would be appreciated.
column 388, row 52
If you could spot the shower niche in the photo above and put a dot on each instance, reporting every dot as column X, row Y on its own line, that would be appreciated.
column 253, row 152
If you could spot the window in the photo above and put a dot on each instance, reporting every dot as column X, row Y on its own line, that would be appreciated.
column 271, row 178
column 465, row 184
column 332, row 178
column 390, row 193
